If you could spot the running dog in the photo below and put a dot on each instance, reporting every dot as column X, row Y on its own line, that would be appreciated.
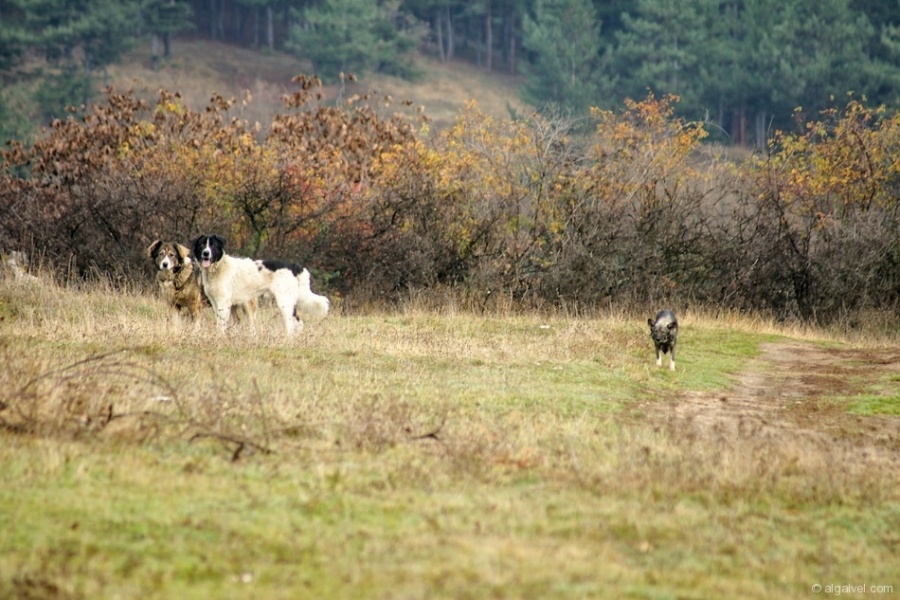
column 178, row 284
column 229, row 280
column 664, row 331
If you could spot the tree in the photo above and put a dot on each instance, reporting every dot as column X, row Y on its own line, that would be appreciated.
column 163, row 18
column 77, row 37
column 813, row 52
column 92, row 32
column 885, row 18
column 12, row 37
column 356, row 36
column 662, row 47
column 563, row 37
column 742, row 61
column 12, row 126
column 268, row 7
column 440, row 14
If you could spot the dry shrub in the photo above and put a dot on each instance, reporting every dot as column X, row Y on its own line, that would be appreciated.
column 81, row 398
column 624, row 208
column 96, row 190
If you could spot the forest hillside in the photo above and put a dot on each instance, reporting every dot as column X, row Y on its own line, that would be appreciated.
column 199, row 68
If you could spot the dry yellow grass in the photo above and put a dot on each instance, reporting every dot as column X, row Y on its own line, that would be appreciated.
column 429, row 451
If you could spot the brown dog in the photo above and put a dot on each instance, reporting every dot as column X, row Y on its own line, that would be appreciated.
column 178, row 284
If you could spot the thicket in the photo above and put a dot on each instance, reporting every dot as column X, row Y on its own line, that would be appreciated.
column 630, row 208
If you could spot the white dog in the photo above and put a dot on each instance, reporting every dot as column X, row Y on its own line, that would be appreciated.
column 17, row 264
column 229, row 280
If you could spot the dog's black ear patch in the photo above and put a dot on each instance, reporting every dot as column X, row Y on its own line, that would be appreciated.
column 650, row 322
column 197, row 246
column 151, row 251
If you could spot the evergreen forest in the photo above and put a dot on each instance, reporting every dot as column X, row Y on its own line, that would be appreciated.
column 743, row 67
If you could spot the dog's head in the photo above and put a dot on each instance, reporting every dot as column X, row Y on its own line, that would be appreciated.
column 663, row 329
column 209, row 249
column 168, row 256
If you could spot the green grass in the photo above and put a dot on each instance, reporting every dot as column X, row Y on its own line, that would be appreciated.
column 874, row 404
column 422, row 453
column 875, row 393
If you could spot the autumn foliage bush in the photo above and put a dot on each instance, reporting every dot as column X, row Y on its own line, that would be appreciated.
column 626, row 208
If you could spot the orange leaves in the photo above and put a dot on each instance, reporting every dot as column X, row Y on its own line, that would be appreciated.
column 844, row 162
column 644, row 148
column 543, row 206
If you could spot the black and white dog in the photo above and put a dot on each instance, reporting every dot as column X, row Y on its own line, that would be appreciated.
column 229, row 280
column 664, row 331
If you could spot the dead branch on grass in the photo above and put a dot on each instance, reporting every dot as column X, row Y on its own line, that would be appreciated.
column 242, row 444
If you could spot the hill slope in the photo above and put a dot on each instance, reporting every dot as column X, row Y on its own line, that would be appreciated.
column 200, row 68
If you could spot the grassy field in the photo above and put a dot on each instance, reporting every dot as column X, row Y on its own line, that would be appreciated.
column 425, row 452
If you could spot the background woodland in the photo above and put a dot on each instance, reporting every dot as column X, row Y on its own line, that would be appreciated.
column 633, row 210
column 627, row 201
column 740, row 66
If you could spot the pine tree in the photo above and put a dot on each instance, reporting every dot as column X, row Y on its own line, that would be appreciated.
column 77, row 37
column 663, row 47
column 355, row 36
column 163, row 18
column 563, row 37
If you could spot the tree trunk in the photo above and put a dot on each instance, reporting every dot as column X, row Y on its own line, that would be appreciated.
column 154, row 51
column 511, row 42
column 256, row 26
column 488, row 38
column 739, row 127
column 439, row 32
column 220, row 22
column 237, row 29
column 270, row 27
column 449, row 35
column 760, row 132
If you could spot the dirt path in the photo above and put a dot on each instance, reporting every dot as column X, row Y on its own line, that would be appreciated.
column 786, row 397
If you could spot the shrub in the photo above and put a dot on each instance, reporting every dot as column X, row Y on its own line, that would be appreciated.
column 631, row 210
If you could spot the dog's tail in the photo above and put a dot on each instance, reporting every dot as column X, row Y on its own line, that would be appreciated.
column 310, row 303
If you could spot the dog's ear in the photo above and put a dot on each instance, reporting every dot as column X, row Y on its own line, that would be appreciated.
column 650, row 322
column 183, row 252
column 195, row 245
column 671, row 325
column 151, row 250
column 220, row 240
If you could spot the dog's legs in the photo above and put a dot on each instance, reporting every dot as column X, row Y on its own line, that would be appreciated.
column 287, row 311
column 672, row 358
column 658, row 357
column 222, row 308
column 194, row 311
column 287, row 291
column 222, row 316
